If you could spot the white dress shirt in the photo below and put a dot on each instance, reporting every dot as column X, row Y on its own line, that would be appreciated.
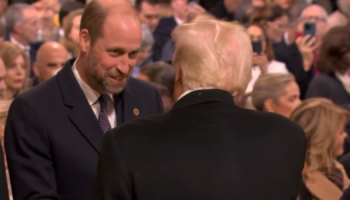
column 92, row 97
column 273, row 67
column 24, row 48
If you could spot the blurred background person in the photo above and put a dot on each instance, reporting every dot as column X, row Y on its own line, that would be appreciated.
column 71, row 33
column 3, row 7
column 51, row 57
column 22, row 24
column 292, row 7
column 225, row 9
column 341, row 16
column 66, row 8
column 149, row 12
column 278, row 93
column 17, row 66
column 145, row 51
column 46, row 11
column 275, row 20
column 163, row 75
column 323, row 123
column 333, row 64
column 301, row 54
column 263, row 62
column 162, row 34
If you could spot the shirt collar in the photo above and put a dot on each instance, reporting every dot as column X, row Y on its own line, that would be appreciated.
column 189, row 91
column 178, row 21
column 91, row 95
column 14, row 41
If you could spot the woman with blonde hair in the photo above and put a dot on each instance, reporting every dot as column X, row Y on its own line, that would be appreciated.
column 323, row 123
column 71, row 33
column 18, row 69
column 278, row 93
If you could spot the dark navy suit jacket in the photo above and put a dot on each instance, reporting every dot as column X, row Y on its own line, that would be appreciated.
column 162, row 35
column 53, row 138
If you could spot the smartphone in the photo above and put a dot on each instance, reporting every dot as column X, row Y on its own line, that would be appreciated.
column 257, row 46
column 310, row 29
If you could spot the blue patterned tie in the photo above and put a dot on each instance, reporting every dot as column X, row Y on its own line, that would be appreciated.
column 103, row 116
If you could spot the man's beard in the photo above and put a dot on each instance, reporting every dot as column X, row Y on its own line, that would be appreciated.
column 100, row 78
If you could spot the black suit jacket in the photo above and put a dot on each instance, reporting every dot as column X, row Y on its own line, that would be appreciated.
column 4, row 195
column 53, row 138
column 204, row 148
column 291, row 56
column 162, row 35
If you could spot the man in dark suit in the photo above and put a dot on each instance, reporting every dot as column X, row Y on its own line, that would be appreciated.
column 22, row 29
column 54, row 131
column 205, row 147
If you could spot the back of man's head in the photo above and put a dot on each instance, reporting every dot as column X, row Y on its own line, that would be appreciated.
column 213, row 54
column 14, row 14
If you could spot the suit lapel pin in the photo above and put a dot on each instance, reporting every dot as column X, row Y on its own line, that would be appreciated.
column 136, row 112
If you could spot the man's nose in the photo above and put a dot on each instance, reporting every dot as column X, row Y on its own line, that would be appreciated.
column 123, row 65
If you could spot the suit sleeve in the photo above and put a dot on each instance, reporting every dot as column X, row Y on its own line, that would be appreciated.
column 29, row 160
column 4, row 195
column 112, row 179
column 159, row 102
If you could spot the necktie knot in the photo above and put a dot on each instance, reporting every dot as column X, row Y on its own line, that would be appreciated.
column 104, row 100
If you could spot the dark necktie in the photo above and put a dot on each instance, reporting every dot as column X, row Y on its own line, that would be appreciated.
column 103, row 116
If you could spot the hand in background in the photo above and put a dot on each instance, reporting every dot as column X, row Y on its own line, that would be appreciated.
column 261, row 61
column 307, row 47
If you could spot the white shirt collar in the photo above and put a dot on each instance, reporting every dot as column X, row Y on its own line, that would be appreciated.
column 91, row 95
column 24, row 48
column 178, row 21
column 189, row 91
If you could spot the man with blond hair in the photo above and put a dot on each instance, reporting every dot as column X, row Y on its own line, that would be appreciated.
column 205, row 147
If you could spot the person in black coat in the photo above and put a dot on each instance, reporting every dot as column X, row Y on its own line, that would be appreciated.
column 205, row 147
column 54, row 131
column 4, row 194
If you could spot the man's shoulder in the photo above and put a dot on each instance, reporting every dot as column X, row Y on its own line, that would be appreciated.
column 272, row 122
column 140, row 87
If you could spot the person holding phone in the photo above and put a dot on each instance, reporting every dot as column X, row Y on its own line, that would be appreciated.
column 263, row 56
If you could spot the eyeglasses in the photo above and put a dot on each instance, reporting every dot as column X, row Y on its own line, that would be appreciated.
column 314, row 19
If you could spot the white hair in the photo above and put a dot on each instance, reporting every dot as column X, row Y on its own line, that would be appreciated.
column 324, row 12
column 214, row 54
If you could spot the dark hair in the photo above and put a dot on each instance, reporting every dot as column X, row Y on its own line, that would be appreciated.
column 68, row 7
column 160, row 73
column 269, row 48
column 139, row 2
column 2, row 30
column 267, row 13
column 333, row 51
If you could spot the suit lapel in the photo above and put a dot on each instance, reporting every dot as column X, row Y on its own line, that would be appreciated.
column 128, row 105
column 81, row 113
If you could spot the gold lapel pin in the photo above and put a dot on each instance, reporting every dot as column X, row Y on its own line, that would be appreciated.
column 136, row 112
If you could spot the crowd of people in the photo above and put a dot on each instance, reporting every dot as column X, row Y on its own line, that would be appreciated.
column 208, row 99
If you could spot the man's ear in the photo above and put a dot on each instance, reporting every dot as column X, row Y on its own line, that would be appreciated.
column 36, row 70
column 269, row 105
column 84, row 41
column 178, row 75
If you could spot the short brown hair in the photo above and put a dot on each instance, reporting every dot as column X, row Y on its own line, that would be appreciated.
column 93, row 19
column 333, row 51
column 95, row 15
column 267, row 13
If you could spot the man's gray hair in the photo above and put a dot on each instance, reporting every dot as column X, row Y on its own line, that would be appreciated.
column 147, row 36
column 14, row 14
